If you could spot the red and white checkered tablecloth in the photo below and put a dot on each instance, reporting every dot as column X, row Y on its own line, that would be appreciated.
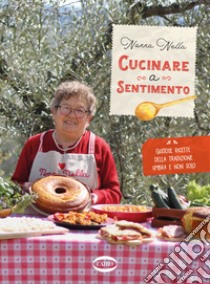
column 68, row 259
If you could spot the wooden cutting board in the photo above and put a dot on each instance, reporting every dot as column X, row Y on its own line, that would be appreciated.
column 165, row 216
column 14, row 235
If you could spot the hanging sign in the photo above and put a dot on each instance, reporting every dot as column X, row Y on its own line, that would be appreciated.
column 179, row 155
column 153, row 71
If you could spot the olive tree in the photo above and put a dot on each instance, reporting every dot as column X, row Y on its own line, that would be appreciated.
column 46, row 42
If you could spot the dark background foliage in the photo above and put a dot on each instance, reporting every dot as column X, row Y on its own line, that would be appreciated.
column 46, row 42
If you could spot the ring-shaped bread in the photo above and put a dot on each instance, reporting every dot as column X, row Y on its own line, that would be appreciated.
column 60, row 194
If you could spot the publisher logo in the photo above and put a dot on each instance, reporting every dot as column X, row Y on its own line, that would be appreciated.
column 104, row 264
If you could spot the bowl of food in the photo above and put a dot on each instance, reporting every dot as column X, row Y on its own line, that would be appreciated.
column 5, row 212
column 128, row 212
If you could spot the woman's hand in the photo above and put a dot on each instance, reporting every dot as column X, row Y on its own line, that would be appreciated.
column 27, row 186
column 94, row 198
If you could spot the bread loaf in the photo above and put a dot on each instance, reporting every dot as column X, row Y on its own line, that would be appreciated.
column 196, row 221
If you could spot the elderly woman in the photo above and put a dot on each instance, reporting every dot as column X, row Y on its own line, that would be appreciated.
column 70, row 149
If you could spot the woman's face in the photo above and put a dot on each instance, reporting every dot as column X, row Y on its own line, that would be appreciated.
column 74, row 123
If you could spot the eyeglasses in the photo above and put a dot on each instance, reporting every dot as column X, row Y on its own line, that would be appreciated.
column 79, row 112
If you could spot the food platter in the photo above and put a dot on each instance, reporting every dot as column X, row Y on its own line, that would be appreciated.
column 93, row 226
column 23, row 227
column 126, row 212
column 28, row 234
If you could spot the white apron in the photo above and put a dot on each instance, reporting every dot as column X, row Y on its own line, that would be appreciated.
column 79, row 166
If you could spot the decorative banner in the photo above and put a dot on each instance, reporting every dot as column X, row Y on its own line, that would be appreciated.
column 153, row 71
column 180, row 155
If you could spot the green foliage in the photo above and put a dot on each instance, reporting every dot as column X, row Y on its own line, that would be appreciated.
column 12, row 196
column 44, row 45
column 198, row 194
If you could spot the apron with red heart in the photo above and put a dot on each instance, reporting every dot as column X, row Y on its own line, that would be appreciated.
column 82, row 167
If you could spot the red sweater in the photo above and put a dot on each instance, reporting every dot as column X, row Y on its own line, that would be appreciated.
column 109, row 188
